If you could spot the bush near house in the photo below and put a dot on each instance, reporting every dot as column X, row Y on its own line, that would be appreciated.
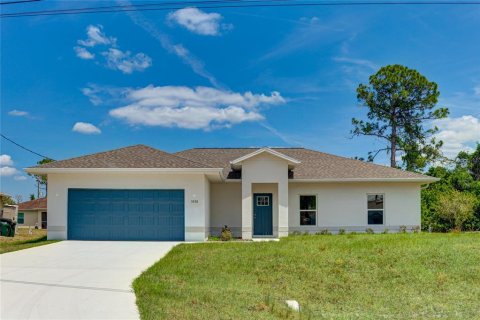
column 459, row 184
column 378, row 276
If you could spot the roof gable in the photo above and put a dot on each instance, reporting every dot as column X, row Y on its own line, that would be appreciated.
column 236, row 163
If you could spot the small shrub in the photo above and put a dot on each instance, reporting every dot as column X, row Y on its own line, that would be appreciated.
column 353, row 233
column 226, row 234
column 416, row 229
column 403, row 229
column 295, row 233
column 306, row 233
column 369, row 231
column 385, row 231
column 325, row 232
column 341, row 231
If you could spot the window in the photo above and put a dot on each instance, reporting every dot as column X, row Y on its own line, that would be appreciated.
column 375, row 206
column 21, row 218
column 308, row 210
column 263, row 201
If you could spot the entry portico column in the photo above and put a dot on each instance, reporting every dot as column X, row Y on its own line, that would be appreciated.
column 283, row 207
column 247, row 210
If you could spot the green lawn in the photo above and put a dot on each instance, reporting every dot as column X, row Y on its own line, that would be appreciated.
column 24, row 240
column 381, row 276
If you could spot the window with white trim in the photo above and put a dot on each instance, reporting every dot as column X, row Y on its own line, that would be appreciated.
column 308, row 210
column 263, row 201
column 375, row 208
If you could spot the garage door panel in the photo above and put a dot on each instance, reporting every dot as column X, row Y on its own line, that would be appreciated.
column 100, row 214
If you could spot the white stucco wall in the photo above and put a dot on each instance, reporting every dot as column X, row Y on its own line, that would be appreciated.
column 265, row 168
column 344, row 205
column 226, row 207
column 195, row 187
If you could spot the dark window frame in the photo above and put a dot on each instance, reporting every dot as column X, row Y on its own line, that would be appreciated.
column 369, row 211
column 308, row 210
column 23, row 218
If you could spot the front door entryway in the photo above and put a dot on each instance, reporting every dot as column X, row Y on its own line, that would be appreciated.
column 44, row 220
column 262, row 214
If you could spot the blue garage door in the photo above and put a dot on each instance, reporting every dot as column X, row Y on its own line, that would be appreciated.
column 104, row 214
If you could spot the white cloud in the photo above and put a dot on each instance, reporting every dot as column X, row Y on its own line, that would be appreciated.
column 199, row 22
column 86, row 128
column 115, row 58
column 93, row 95
column 357, row 62
column 309, row 20
column 179, row 50
column 458, row 134
column 477, row 90
column 192, row 108
column 96, row 36
column 18, row 113
column 6, row 160
column 83, row 53
column 8, row 171
column 125, row 62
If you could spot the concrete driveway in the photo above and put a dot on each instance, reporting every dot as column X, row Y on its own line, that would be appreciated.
column 75, row 279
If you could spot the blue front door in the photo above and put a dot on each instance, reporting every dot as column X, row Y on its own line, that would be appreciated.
column 262, row 214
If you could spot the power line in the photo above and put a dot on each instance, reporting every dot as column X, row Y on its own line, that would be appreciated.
column 154, row 4
column 137, row 7
column 24, row 148
column 227, row 4
column 17, row 2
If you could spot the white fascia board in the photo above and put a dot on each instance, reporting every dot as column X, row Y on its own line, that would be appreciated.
column 122, row 170
column 262, row 150
column 419, row 180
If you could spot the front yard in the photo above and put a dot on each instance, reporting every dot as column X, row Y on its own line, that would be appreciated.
column 386, row 276
column 24, row 240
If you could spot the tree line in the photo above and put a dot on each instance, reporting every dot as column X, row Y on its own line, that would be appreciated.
column 401, row 105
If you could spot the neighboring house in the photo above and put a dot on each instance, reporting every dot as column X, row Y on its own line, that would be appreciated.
column 141, row 193
column 33, row 213
column 7, row 211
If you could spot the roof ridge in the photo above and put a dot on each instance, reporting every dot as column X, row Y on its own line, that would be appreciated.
column 232, row 148
column 102, row 157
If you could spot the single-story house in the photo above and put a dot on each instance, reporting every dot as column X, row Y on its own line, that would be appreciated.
column 33, row 213
column 142, row 193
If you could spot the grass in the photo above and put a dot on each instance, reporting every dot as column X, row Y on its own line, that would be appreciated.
column 380, row 276
column 24, row 240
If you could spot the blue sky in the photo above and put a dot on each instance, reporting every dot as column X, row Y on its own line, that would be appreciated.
column 73, row 85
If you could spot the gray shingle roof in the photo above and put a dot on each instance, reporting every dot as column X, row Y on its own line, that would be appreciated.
column 138, row 156
column 314, row 164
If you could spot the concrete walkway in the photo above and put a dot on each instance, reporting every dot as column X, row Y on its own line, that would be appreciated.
column 75, row 279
